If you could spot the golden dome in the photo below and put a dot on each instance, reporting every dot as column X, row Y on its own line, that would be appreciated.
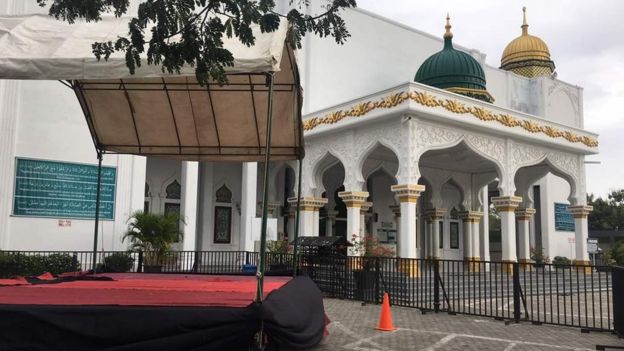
column 527, row 55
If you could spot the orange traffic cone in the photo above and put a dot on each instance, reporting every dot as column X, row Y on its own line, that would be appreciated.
column 385, row 319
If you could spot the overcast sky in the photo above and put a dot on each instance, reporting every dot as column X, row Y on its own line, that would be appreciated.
column 584, row 40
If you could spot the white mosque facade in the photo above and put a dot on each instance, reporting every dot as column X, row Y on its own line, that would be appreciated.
column 419, row 163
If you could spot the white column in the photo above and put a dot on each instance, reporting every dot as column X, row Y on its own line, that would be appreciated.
column 506, row 206
column 188, row 205
column 329, row 222
column 316, row 221
column 434, row 215
column 309, row 213
column 467, row 228
column 484, row 243
column 580, row 214
column 523, row 215
column 292, row 212
column 249, row 185
column 363, row 213
column 353, row 200
column 407, row 240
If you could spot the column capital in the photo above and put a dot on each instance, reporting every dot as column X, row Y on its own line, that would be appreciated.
column 396, row 209
column 271, row 206
column 434, row 213
column 366, row 206
column 506, row 203
column 524, row 214
column 308, row 203
column 470, row 216
column 353, row 198
column 407, row 192
column 580, row 211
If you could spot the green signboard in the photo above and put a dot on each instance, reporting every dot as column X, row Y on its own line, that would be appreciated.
column 564, row 221
column 62, row 190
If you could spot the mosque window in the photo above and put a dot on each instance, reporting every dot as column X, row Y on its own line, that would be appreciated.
column 441, row 231
column 173, row 190
column 224, row 195
column 223, row 225
column 454, row 239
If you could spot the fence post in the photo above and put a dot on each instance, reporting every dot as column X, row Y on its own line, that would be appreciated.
column 617, row 288
column 516, row 291
column 74, row 264
column 140, row 263
column 436, row 286
column 377, row 279
column 196, row 262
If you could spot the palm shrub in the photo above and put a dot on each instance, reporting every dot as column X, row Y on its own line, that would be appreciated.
column 153, row 234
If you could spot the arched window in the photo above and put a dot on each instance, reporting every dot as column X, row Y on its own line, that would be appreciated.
column 223, row 217
column 173, row 190
column 146, row 201
column 224, row 195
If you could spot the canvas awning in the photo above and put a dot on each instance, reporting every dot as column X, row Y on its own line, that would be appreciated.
column 157, row 114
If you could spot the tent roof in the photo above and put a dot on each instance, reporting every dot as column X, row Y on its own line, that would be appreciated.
column 152, row 113
column 41, row 47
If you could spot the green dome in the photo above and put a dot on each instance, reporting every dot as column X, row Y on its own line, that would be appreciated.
column 454, row 70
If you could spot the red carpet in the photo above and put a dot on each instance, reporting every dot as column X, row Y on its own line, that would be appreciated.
column 136, row 289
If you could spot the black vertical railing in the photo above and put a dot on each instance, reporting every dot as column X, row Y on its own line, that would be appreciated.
column 617, row 282
column 539, row 293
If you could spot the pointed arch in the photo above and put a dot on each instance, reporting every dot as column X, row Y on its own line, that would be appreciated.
column 370, row 149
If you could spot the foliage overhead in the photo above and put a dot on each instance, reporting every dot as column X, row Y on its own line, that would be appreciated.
column 190, row 32
column 608, row 214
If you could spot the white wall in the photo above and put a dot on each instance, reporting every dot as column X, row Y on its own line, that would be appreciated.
column 554, row 189
column 213, row 176
column 51, row 126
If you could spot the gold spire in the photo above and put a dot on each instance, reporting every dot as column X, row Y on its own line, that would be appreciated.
column 448, row 33
column 525, row 25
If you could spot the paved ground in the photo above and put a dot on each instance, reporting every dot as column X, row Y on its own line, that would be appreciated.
column 352, row 328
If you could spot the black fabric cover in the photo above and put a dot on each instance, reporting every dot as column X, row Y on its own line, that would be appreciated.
column 293, row 319
column 294, row 315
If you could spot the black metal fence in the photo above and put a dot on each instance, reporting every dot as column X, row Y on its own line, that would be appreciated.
column 545, row 293
column 540, row 293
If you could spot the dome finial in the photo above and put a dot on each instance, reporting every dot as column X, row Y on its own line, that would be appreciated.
column 448, row 33
column 525, row 25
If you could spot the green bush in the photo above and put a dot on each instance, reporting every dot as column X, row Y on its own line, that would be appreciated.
column 561, row 261
column 616, row 254
column 14, row 264
column 119, row 262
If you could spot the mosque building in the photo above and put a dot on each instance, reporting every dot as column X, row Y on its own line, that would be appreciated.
column 409, row 137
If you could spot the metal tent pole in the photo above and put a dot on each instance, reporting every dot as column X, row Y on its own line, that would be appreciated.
column 297, row 219
column 265, row 193
column 97, row 209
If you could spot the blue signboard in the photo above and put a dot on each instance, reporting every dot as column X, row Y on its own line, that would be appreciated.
column 62, row 190
column 564, row 221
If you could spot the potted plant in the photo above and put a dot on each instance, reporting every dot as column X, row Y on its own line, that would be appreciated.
column 153, row 234
column 364, row 272
column 538, row 256
column 279, row 258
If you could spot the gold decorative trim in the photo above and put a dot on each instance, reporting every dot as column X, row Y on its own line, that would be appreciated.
column 455, row 106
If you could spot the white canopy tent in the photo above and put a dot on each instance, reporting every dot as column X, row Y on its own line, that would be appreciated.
column 157, row 114
column 153, row 113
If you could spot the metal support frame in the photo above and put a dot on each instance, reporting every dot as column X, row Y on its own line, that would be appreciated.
column 97, row 209
column 297, row 220
column 265, row 192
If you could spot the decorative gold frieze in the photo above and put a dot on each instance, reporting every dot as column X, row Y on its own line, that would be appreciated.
column 454, row 106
